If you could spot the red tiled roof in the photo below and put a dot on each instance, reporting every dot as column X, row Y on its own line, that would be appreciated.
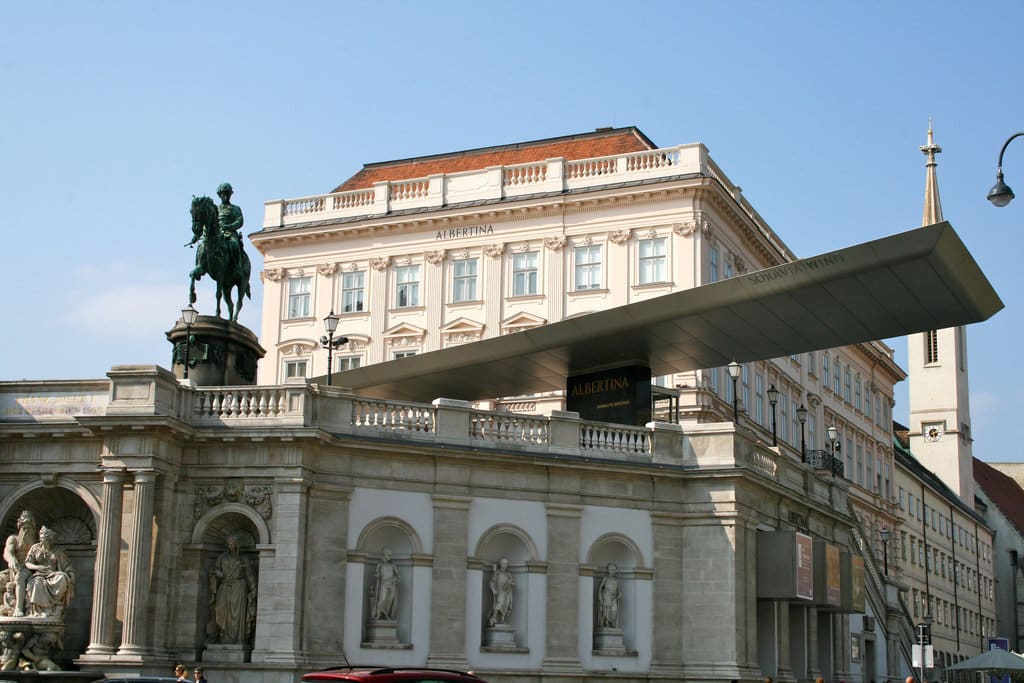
column 1003, row 490
column 599, row 143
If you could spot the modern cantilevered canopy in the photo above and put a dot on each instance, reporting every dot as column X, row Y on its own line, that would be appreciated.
column 919, row 280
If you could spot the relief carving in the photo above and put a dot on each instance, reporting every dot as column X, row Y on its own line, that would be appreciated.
column 435, row 257
column 494, row 250
column 380, row 262
column 327, row 269
column 257, row 496
column 272, row 274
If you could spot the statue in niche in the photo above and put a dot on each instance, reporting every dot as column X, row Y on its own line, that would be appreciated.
column 233, row 591
column 15, row 551
column 384, row 591
column 52, row 584
column 608, row 597
column 502, row 587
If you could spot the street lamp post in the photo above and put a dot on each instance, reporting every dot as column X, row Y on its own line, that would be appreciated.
column 189, row 316
column 329, row 342
column 734, row 374
column 773, row 398
column 801, row 414
column 833, row 442
column 885, row 551
column 1001, row 194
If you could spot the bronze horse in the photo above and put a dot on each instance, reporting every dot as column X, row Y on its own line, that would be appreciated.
column 219, row 256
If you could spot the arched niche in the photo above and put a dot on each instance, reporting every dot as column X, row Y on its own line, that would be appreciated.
column 405, row 547
column 69, row 508
column 210, row 537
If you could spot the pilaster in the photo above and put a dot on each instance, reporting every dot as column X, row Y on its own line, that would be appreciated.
column 282, row 578
column 448, row 582
column 667, row 648
column 562, row 649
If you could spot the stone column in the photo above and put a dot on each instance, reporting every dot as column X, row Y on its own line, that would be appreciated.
column 813, row 668
column 108, row 556
column 140, row 550
column 667, row 650
column 562, row 647
column 784, row 669
column 448, row 583
column 282, row 578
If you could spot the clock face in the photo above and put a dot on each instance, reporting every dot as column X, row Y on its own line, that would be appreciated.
column 933, row 432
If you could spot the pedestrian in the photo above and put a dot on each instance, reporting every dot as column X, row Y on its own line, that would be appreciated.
column 181, row 673
column 199, row 677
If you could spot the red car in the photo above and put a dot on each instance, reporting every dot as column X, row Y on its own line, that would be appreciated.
column 393, row 675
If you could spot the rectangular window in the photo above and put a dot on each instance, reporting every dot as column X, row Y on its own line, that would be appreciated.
column 588, row 267
column 464, row 280
column 524, row 274
column 847, row 375
column 402, row 354
column 783, row 417
column 353, row 288
column 902, row 507
column 728, row 269
column 407, row 286
column 298, row 297
column 347, row 362
column 837, row 371
column 812, row 431
column 713, row 379
column 860, row 465
column 869, row 475
column 713, row 264
column 857, row 394
column 824, row 367
column 759, row 399
column 745, row 389
column 812, row 363
column 931, row 346
column 653, row 261
column 294, row 369
column 878, row 410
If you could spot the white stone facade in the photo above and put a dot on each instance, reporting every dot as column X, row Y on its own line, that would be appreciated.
column 319, row 482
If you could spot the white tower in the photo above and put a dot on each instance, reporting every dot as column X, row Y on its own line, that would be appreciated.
column 940, row 415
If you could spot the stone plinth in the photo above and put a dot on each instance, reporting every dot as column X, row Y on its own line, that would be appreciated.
column 226, row 652
column 608, row 641
column 382, row 634
column 222, row 353
column 501, row 638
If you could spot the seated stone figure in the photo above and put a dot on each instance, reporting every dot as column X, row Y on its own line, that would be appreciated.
column 51, row 586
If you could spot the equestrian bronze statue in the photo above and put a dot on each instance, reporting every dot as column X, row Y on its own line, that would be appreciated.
column 220, row 253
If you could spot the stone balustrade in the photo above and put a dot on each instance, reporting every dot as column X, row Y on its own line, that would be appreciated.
column 495, row 183
column 143, row 392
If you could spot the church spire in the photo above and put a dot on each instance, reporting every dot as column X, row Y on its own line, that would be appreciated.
column 932, row 204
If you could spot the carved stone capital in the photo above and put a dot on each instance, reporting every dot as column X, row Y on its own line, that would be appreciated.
column 619, row 236
column 380, row 262
column 556, row 242
column 494, row 250
column 272, row 274
column 327, row 269
column 435, row 256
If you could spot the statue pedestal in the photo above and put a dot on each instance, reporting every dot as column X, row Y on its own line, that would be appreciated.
column 382, row 634
column 226, row 652
column 608, row 641
column 30, row 631
column 222, row 353
column 501, row 638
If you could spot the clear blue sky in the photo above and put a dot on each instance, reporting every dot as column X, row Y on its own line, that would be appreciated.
column 114, row 114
